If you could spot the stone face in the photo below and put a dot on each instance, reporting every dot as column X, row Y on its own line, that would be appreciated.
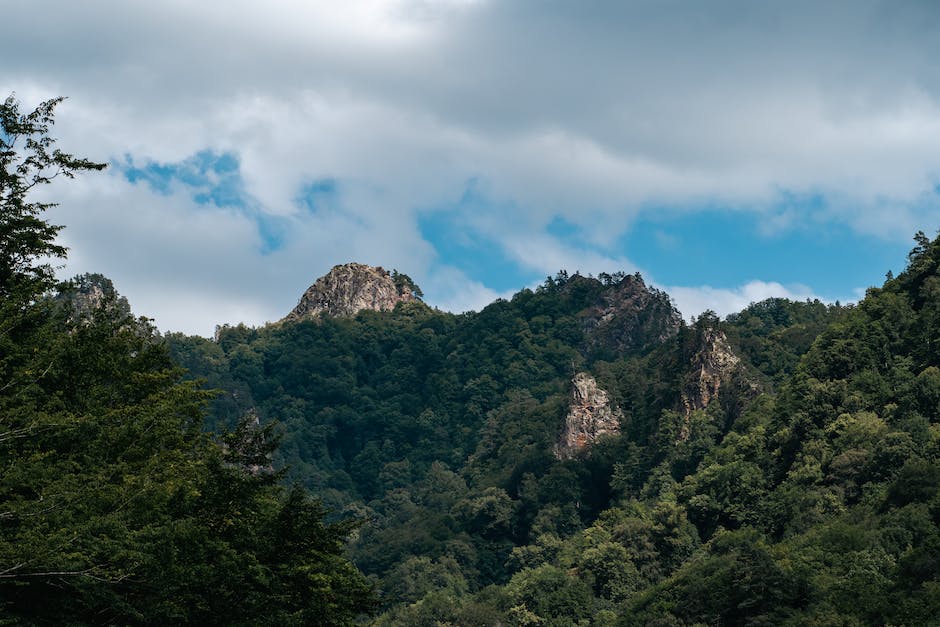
column 89, row 295
column 348, row 289
column 590, row 416
column 711, row 366
column 629, row 316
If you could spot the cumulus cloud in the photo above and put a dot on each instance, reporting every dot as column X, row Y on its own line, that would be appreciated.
column 565, row 111
column 192, row 265
column 597, row 117
column 450, row 289
column 693, row 301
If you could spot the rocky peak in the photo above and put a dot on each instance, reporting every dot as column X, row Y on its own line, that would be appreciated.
column 711, row 366
column 590, row 416
column 89, row 294
column 349, row 288
column 629, row 315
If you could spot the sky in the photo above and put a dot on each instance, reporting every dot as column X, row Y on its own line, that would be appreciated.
column 729, row 151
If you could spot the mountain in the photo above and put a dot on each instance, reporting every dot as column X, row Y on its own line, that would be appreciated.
column 625, row 316
column 350, row 288
column 578, row 453
column 575, row 455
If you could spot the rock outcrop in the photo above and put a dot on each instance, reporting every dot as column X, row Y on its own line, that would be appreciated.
column 90, row 295
column 712, row 366
column 590, row 416
column 350, row 288
column 628, row 316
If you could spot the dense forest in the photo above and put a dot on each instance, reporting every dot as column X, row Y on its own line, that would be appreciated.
column 805, row 491
column 408, row 467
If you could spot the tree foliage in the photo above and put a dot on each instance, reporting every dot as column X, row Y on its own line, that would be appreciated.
column 115, row 506
column 810, row 482
column 29, row 158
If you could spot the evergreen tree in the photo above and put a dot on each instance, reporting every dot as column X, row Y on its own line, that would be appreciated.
column 115, row 506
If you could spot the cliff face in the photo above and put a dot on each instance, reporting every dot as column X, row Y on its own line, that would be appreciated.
column 349, row 288
column 590, row 416
column 629, row 316
column 712, row 367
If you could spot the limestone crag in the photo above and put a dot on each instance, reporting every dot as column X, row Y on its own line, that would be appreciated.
column 711, row 366
column 629, row 316
column 350, row 288
column 89, row 295
column 590, row 416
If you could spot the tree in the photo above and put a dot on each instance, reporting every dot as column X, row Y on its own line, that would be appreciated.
column 29, row 158
column 115, row 506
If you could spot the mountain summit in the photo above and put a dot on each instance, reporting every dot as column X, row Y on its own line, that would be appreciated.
column 349, row 288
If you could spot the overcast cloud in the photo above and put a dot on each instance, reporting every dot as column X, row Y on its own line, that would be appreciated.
column 351, row 122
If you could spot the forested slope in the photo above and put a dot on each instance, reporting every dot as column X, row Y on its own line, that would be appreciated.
column 576, row 455
column 780, row 466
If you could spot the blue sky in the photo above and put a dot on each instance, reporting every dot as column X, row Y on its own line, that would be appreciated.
column 711, row 245
column 729, row 151
column 723, row 248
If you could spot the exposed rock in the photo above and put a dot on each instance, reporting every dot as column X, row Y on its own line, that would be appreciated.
column 629, row 316
column 349, row 288
column 90, row 295
column 590, row 416
column 712, row 366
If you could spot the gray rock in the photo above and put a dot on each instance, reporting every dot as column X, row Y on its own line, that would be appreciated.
column 350, row 288
column 590, row 416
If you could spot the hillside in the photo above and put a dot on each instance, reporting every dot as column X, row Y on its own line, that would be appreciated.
column 761, row 469
column 576, row 455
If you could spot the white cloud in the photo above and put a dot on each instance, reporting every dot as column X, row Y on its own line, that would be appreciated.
column 451, row 290
column 193, row 266
column 596, row 116
column 603, row 110
column 693, row 301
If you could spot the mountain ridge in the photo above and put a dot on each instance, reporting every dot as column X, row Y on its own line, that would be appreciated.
column 526, row 463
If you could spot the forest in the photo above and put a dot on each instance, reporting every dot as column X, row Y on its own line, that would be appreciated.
column 780, row 466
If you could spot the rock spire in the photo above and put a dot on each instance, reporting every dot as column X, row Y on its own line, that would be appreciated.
column 590, row 416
